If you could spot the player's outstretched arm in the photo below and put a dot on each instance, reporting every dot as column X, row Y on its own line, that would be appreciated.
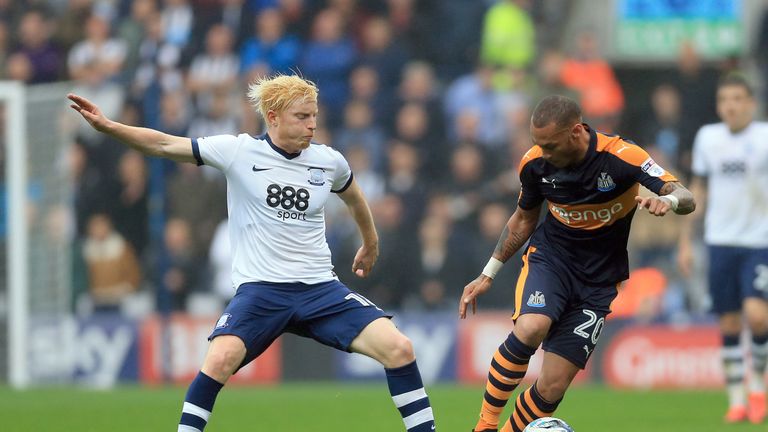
column 147, row 141
column 672, row 196
column 517, row 231
column 368, row 253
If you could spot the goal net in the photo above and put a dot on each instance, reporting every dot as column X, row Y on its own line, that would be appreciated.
column 35, row 223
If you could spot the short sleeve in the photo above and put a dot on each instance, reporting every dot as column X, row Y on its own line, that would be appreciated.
column 698, row 161
column 217, row 151
column 342, row 176
column 530, row 194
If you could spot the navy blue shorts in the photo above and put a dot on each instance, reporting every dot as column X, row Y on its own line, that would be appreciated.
column 736, row 273
column 577, row 310
column 328, row 312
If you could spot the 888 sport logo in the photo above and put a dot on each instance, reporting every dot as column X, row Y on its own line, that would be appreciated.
column 288, row 198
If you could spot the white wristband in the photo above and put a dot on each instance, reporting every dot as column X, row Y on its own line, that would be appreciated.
column 673, row 201
column 492, row 267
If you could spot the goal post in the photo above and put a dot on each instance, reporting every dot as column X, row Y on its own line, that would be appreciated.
column 36, row 271
column 12, row 95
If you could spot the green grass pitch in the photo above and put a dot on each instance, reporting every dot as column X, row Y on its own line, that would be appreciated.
column 347, row 408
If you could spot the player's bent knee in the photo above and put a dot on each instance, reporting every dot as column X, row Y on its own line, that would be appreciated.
column 224, row 357
column 399, row 352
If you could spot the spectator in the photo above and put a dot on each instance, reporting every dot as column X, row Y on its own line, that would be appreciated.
column 383, row 51
column 180, row 271
column 491, row 220
column 404, row 181
column 215, row 70
column 359, row 130
column 270, row 49
column 697, row 85
column 327, row 60
column 420, row 85
column 113, row 269
column 587, row 73
column 201, row 214
column 131, row 30
column 441, row 265
column 508, row 36
column 35, row 48
column 131, row 209
column 662, row 129
column 98, row 58
column 178, row 22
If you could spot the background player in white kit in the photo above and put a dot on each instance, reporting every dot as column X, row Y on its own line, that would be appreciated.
column 730, row 168
column 277, row 186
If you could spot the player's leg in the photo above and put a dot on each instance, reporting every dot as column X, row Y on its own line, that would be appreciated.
column 225, row 354
column 382, row 341
column 754, row 285
column 732, row 357
column 756, row 313
column 538, row 298
column 568, row 345
column 508, row 367
column 345, row 320
column 236, row 340
column 543, row 397
column 723, row 277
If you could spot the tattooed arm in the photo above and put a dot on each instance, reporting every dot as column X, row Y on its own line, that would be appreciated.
column 672, row 196
column 517, row 231
column 686, row 201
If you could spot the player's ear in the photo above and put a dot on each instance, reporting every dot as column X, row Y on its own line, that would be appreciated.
column 271, row 117
column 576, row 130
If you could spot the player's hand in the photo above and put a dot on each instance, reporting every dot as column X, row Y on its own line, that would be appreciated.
column 685, row 259
column 364, row 260
column 90, row 112
column 656, row 206
column 471, row 291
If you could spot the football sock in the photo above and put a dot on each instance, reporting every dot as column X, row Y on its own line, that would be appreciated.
column 759, row 360
column 410, row 398
column 733, row 366
column 198, row 403
column 508, row 367
column 528, row 407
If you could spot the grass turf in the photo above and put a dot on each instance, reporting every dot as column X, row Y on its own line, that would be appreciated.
column 344, row 407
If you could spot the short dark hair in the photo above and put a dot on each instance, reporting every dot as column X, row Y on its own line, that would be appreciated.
column 735, row 79
column 561, row 110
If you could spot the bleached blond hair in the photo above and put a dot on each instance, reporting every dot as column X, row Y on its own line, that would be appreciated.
column 279, row 91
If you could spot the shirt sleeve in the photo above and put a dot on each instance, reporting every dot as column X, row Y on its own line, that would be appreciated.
column 342, row 176
column 646, row 171
column 218, row 151
column 530, row 194
column 698, row 161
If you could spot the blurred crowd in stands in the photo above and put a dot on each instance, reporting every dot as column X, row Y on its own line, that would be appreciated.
column 429, row 101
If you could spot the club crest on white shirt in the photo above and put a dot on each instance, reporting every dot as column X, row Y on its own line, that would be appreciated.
column 316, row 176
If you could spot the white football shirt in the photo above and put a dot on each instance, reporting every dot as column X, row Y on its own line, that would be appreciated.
column 736, row 167
column 276, row 202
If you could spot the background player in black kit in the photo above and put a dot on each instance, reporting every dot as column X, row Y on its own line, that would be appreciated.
column 575, row 259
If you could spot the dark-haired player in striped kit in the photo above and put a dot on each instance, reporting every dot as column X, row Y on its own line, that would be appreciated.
column 277, row 187
column 575, row 259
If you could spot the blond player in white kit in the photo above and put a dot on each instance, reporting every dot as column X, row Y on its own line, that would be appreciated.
column 277, row 187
